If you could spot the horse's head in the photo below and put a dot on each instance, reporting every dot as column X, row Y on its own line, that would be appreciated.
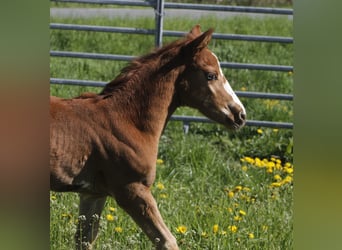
column 203, row 85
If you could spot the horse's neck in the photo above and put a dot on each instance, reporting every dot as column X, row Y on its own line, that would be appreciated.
column 147, row 104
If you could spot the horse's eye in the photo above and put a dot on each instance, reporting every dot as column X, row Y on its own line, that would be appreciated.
column 211, row 76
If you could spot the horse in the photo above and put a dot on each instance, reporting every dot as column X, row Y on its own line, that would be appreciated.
column 106, row 144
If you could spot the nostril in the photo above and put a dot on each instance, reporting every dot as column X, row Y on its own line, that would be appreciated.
column 242, row 116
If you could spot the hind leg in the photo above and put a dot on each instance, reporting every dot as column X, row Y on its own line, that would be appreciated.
column 136, row 199
column 90, row 210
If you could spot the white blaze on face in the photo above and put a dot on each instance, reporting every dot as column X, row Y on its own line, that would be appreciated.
column 229, row 89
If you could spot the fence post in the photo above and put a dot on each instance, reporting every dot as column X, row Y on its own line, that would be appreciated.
column 159, row 15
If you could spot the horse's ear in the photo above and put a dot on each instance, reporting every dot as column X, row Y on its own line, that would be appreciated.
column 200, row 42
column 194, row 32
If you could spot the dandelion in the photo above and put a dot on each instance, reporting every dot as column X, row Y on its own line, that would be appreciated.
column 230, row 194
column 269, row 170
column 112, row 209
column 109, row 217
column 233, row 228
column 249, row 160
column 181, row 229
column 242, row 213
column 53, row 197
column 160, row 186
column 204, row 234
column 276, row 184
column 160, row 161
column 237, row 218
column 271, row 164
column 230, row 210
column 215, row 228
column 244, row 168
column 275, row 130
column 118, row 229
column 288, row 179
column 288, row 170
column 243, row 88
column 163, row 196
column 238, row 188
column 259, row 131
column 277, row 177
column 251, row 236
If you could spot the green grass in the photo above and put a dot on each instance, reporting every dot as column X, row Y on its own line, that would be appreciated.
column 200, row 168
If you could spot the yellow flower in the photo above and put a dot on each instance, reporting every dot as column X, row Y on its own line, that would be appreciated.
column 53, row 197
column 251, row 235
column 275, row 130
column 271, row 164
column 288, row 170
column 181, row 229
column 163, row 196
column 276, row 184
column 230, row 194
column 230, row 210
column 250, row 160
column 160, row 186
column 215, row 228
column 264, row 228
column 288, row 165
column 269, row 170
column 118, row 229
column 243, row 88
column 160, row 161
column 277, row 177
column 204, row 234
column 241, row 212
column 237, row 218
column 112, row 209
column 237, row 188
column 233, row 228
column 259, row 131
column 110, row 217
column 288, row 179
column 244, row 168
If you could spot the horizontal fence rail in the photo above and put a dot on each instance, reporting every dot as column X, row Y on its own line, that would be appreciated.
column 188, row 6
column 188, row 119
column 138, row 31
column 158, row 32
column 230, row 65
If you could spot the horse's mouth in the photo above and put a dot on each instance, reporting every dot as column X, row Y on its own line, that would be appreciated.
column 235, row 120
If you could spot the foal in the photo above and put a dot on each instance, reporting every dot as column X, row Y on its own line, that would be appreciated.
column 106, row 144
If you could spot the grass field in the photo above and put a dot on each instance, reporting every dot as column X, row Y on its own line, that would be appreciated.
column 215, row 189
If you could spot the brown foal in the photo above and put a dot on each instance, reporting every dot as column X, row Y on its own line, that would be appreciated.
column 106, row 144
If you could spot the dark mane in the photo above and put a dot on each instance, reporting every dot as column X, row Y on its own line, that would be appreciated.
column 143, row 66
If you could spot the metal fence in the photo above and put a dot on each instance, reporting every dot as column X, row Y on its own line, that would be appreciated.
column 159, row 32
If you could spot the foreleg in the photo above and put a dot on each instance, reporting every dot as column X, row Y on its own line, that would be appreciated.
column 90, row 210
column 136, row 199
